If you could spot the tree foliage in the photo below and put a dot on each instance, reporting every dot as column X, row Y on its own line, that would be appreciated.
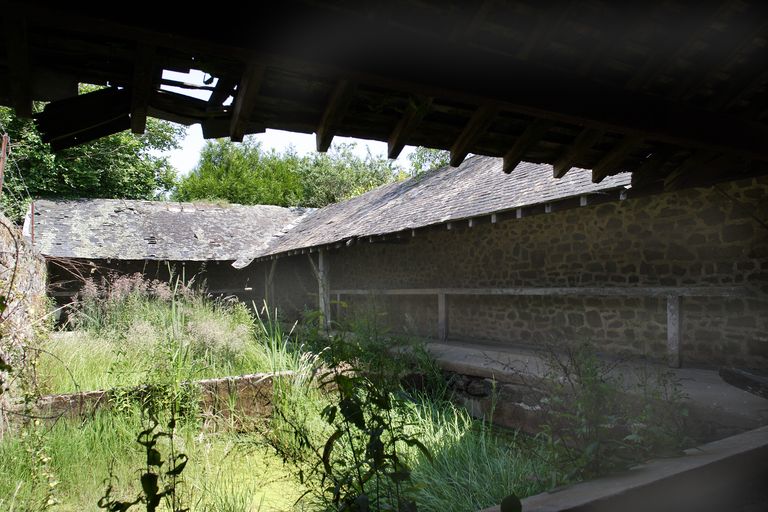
column 122, row 165
column 425, row 159
column 247, row 174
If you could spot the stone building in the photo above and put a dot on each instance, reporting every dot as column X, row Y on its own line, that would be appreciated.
column 470, row 253
column 97, row 237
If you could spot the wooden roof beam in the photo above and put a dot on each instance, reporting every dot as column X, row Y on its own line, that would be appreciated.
column 336, row 108
column 245, row 99
column 18, row 57
column 648, row 172
column 412, row 117
column 677, row 178
column 583, row 142
column 532, row 134
column 141, row 88
column 67, row 118
column 477, row 125
column 611, row 162
column 223, row 89
column 102, row 130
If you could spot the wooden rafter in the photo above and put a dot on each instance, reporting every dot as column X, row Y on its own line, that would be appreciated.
column 245, row 99
column 583, row 142
column 79, row 119
column 18, row 57
column 524, row 142
column 414, row 113
column 223, row 90
column 474, row 129
column 334, row 112
column 143, row 80
column 676, row 179
column 611, row 162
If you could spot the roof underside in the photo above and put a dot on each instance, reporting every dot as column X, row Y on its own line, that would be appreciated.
column 149, row 230
column 674, row 91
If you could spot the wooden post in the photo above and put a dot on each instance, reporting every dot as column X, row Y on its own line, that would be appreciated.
column 324, row 289
column 3, row 156
column 442, row 318
column 674, row 329
column 269, row 284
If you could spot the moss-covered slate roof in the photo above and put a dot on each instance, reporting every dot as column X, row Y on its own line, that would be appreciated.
column 137, row 230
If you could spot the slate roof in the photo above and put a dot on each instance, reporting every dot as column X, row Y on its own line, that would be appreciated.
column 477, row 187
column 137, row 230
column 123, row 229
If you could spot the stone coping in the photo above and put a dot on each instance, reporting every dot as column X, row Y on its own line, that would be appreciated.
column 718, row 474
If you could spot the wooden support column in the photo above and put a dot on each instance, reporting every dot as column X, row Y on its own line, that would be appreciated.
column 324, row 289
column 269, row 285
column 321, row 271
column 442, row 317
column 674, row 330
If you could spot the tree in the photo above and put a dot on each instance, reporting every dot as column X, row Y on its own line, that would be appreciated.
column 425, row 159
column 122, row 165
column 340, row 174
column 245, row 173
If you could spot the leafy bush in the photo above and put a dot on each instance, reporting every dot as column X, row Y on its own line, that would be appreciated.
column 596, row 421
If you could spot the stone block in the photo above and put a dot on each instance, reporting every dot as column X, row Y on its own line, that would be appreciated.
column 594, row 319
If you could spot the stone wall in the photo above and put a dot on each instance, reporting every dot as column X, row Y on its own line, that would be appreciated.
column 698, row 237
column 22, row 290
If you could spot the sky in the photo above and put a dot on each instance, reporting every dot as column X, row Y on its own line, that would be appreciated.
column 185, row 158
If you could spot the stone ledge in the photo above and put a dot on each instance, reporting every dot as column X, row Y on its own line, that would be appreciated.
column 728, row 474
column 244, row 394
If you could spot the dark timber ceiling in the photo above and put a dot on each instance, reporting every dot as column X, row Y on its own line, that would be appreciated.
column 674, row 91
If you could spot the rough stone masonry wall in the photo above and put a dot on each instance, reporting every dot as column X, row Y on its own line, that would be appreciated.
column 22, row 289
column 697, row 237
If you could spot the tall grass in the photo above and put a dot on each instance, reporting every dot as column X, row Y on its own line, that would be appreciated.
column 473, row 465
column 120, row 338
column 223, row 472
